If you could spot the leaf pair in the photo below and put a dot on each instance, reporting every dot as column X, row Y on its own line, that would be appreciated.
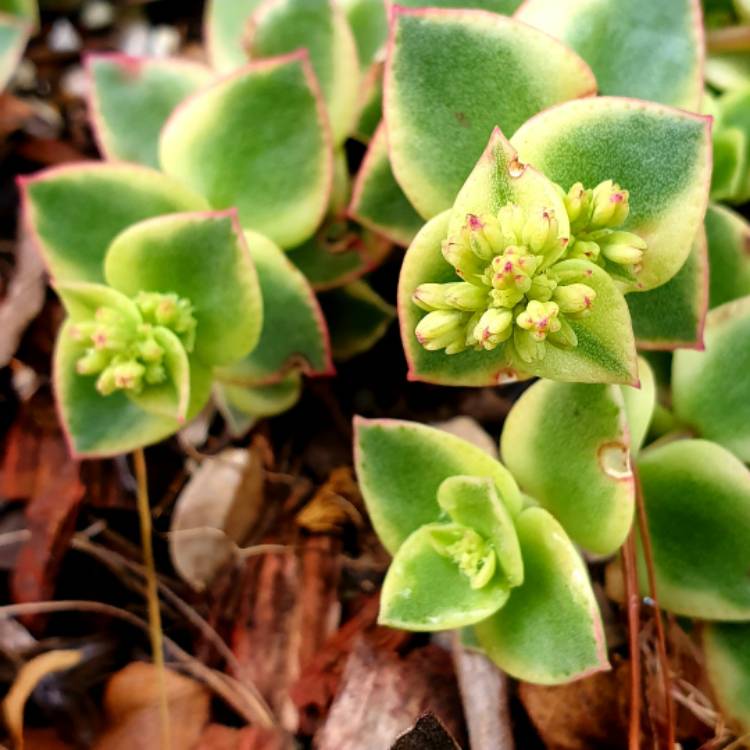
column 589, row 141
column 440, row 506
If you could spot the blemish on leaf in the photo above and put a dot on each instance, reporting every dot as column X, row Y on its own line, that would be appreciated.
column 506, row 375
column 614, row 460
column 462, row 119
column 516, row 168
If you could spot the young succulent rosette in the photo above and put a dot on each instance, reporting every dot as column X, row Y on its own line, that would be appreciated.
column 469, row 551
column 525, row 274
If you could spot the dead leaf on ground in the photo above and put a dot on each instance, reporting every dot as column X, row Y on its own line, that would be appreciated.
column 218, row 737
column 288, row 607
column 27, row 680
column 44, row 739
column 587, row 713
column 217, row 509
column 50, row 516
column 382, row 695
column 24, row 298
column 336, row 504
column 131, row 703
column 319, row 682
column 484, row 694
column 427, row 734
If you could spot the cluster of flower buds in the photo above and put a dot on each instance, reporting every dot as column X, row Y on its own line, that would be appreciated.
column 510, row 288
column 128, row 354
column 594, row 217
column 473, row 555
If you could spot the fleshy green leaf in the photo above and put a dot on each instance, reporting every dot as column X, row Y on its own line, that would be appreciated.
column 710, row 389
column 425, row 590
column 734, row 115
column 278, row 174
column 728, row 71
column 474, row 503
column 327, row 267
column 498, row 179
column 319, row 26
column 697, row 498
column 726, row 647
column 242, row 406
column 662, row 156
column 444, row 93
column 401, row 465
column 728, row 255
column 82, row 299
column 370, row 104
column 605, row 352
column 640, row 404
column 131, row 99
column 294, row 331
column 368, row 20
column 642, row 49
column 76, row 211
column 673, row 314
column 567, row 445
column 357, row 318
column 730, row 163
column 224, row 25
column 550, row 630
column 98, row 425
column 14, row 34
column 201, row 257
column 378, row 201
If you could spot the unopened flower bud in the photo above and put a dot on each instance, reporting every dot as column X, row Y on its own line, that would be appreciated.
column 574, row 298
column 586, row 250
column 540, row 232
column 529, row 349
column 442, row 329
column 129, row 375
column 542, row 287
column 478, row 234
column 512, row 219
column 149, row 350
column 539, row 319
column 578, row 205
column 610, row 205
column 624, row 248
column 92, row 362
column 467, row 263
column 105, row 383
column 462, row 295
column 494, row 327
column 430, row 297
column 154, row 374
column 565, row 337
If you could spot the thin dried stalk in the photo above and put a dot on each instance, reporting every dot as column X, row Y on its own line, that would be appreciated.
column 633, row 600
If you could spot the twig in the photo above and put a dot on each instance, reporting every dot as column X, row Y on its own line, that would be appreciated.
column 633, row 600
column 660, row 635
column 730, row 39
column 152, row 594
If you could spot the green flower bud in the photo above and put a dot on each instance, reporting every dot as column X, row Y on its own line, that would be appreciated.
column 541, row 232
column 565, row 338
column 154, row 374
column 442, row 329
column 129, row 375
column 529, row 349
column 542, row 288
column 473, row 554
column 539, row 319
column 512, row 220
column 493, row 327
column 586, row 250
column 466, row 262
column 149, row 350
column 105, row 383
column 579, row 205
column 478, row 239
column 574, row 298
column 430, row 297
column 610, row 205
column 464, row 296
column 624, row 248
column 92, row 362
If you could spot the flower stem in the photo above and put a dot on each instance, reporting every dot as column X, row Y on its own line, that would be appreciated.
column 633, row 602
column 152, row 596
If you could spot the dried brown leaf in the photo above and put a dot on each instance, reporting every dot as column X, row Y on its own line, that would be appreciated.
column 383, row 694
column 217, row 509
column 218, row 737
column 336, row 504
column 131, row 703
